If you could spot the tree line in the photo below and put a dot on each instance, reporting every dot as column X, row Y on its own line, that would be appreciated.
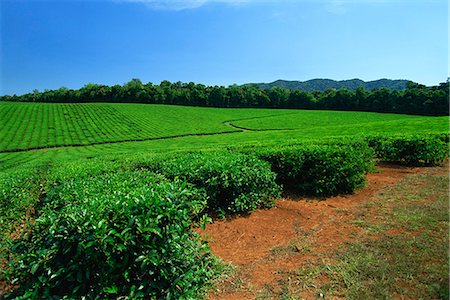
column 415, row 99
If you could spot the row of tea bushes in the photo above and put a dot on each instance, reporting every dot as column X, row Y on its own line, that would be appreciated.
column 234, row 183
column 320, row 170
column 122, row 234
column 20, row 190
column 123, row 227
column 431, row 149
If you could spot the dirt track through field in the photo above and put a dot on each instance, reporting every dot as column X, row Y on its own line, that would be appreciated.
column 268, row 245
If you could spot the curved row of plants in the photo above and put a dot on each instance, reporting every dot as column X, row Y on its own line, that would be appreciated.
column 124, row 228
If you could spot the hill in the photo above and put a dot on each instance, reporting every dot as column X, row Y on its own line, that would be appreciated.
column 325, row 84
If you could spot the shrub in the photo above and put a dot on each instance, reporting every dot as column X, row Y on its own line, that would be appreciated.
column 411, row 150
column 20, row 190
column 320, row 170
column 126, row 234
column 234, row 182
column 63, row 171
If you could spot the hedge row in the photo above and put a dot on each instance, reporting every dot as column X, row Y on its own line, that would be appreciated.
column 20, row 191
column 123, row 228
column 320, row 170
column 234, row 183
column 126, row 234
column 411, row 150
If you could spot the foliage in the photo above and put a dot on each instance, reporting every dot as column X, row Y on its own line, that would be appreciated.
column 321, row 170
column 104, row 125
column 45, row 125
column 325, row 84
column 415, row 99
column 20, row 191
column 126, row 234
column 235, row 183
column 88, row 238
column 65, row 171
column 411, row 149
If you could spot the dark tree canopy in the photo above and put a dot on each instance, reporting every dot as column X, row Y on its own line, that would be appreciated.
column 415, row 99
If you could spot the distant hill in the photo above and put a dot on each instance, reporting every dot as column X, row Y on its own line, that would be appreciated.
column 324, row 84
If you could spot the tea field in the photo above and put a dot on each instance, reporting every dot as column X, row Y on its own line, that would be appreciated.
column 46, row 131
column 108, row 194
column 40, row 125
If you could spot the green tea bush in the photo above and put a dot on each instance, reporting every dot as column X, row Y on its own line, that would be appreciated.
column 411, row 150
column 63, row 171
column 126, row 234
column 234, row 182
column 20, row 190
column 444, row 137
column 320, row 170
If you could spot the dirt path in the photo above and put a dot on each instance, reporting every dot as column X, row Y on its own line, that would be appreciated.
column 269, row 245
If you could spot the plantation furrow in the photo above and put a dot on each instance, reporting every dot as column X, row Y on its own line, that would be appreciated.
column 65, row 134
column 147, row 126
column 77, row 117
column 87, row 127
column 23, row 141
column 51, row 132
column 120, row 141
column 29, row 124
column 120, row 123
column 32, row 135
column 62, row 135
column 256, row 130
column 72, row 126
column 104, row 122
column 102, row 115
column 33, row 126
column 5, row 113
column 229, row 123
column 13, row 128
column 19, row 158
column 8, row 114
column 8, row 127
column 34, row 130
column 58, row 138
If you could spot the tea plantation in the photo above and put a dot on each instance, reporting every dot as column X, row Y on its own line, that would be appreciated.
column 101, row 200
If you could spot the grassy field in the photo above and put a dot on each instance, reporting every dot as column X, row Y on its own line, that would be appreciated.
column 401, row 252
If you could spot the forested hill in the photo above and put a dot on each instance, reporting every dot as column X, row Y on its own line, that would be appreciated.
column 325, row 84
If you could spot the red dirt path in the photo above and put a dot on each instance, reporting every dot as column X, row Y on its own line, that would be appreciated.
column 267, row 245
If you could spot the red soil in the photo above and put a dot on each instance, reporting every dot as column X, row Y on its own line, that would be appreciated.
column 255, row 243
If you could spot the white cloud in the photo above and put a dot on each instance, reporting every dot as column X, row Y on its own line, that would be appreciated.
column 336, row 7
column 332, row 6
column 181, row 4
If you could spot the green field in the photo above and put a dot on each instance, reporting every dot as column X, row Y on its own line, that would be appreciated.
column 39, row 125
column 101, row 181
column 44, row 131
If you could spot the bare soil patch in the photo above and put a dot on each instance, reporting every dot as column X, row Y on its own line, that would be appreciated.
column 268, row 246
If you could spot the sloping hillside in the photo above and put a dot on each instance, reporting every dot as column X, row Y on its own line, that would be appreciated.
column 324, row 84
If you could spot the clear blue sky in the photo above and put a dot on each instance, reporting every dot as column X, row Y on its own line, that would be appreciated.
column 49, row 44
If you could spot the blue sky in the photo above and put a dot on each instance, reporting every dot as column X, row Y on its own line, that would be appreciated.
column 49, row 44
